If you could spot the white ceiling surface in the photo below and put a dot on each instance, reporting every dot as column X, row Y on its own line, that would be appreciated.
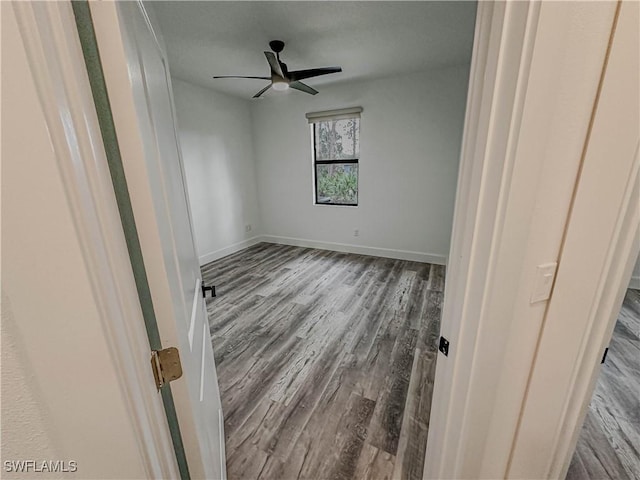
column 367, row 39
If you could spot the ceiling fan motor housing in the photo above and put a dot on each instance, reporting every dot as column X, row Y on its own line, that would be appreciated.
column 276, row 45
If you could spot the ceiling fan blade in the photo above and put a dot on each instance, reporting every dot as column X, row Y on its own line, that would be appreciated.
column 274, row 64
column 238, row 76
column 257, row 95
column 312, row 72
column 303, row 87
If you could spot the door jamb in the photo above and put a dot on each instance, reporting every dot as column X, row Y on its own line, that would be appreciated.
column 559, row 393
column 501, row 59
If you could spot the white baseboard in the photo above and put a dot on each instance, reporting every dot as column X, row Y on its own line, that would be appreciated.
column 358, row 249
column 635, row 283
column 223, row 252
column 337, row 247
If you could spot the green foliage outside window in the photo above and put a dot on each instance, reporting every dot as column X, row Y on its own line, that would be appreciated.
column 338, row 183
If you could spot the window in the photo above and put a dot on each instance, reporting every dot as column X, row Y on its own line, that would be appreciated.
column 336, row 152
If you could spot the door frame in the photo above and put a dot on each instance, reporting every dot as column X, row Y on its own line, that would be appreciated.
column 503, row 44
column 116, row 43
column 55, row 57
column 507, row 36
column 502, row 54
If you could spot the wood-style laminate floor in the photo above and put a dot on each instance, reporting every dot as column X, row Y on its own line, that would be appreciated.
column 325, row 362
column 609, row 443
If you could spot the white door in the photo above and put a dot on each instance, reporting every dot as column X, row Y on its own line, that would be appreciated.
column 138, row 83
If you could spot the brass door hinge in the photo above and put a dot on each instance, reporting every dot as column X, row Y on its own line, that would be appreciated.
column 166, row 365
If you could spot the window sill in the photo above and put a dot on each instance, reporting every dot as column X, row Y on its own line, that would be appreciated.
column 316, row 204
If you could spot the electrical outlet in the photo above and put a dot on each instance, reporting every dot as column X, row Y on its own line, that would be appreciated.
column 247, row 228
column 356, row 233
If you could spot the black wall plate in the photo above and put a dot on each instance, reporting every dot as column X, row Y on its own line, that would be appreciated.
column 444, row 346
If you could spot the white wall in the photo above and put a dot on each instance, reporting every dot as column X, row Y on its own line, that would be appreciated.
column 217, row 150
column 26, row 425
column 249, row 163
column 411, row 129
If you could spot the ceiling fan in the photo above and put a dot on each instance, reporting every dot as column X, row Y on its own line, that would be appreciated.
column 281, row 78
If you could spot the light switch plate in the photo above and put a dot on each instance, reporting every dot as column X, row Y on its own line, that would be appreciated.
column 543, row 283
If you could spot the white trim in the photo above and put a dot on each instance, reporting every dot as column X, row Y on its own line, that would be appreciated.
column 498, row 76
column 358, row 249
column 580, row 321
column 194, row 311
column 225, row 251
column 602, row 319
column 223, row 455
column 55, row 57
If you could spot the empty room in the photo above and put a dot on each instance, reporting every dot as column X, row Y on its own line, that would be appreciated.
column 322, row 216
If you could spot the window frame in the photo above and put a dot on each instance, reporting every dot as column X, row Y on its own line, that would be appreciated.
column 334, row 115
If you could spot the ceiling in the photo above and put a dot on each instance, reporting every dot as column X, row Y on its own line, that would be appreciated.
column 370, row 39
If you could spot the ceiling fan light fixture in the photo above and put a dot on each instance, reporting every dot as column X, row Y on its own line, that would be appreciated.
column 281, row 78
column 280, row 85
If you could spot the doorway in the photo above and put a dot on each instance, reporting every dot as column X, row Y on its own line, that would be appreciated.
column 326, row 321
column 608, row 442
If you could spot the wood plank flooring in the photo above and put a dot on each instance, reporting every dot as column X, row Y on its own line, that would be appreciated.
column 325, row 362
column 609, row 443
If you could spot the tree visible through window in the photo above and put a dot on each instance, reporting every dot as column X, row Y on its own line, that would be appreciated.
column 336, row 155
